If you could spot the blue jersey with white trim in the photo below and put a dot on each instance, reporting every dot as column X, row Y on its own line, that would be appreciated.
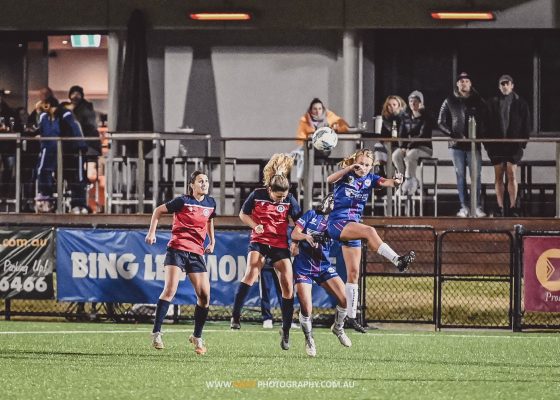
column 351, row 193
column 309, row 259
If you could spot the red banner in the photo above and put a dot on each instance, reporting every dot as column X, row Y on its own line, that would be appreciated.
column 541, row 261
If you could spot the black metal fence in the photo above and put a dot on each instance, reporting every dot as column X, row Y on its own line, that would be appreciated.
column 460, row 279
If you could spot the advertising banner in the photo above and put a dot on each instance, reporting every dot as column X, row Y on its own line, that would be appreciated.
column 26, row 263
column 541, row 263
column 102, row 265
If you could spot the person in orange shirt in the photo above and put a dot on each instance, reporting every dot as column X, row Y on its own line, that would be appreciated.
column 317, row 116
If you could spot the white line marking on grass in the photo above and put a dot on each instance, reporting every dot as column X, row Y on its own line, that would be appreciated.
column 377, row 333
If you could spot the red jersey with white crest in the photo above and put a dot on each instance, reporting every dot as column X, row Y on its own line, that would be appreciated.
column 272, row 216
column 190, row 222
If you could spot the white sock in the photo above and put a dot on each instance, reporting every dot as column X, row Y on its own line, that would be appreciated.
column 305, row 324
column 387, row 252
column 339, row 317
column 351, row 290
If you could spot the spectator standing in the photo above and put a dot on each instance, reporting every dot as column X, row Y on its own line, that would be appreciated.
column 465, row 102
column 394, row 115
column 507, row 118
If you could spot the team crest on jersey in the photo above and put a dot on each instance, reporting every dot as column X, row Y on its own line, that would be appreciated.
column 331, row 270
column 280, row 208
column 350, row 179
column 367, row 182
column 206, row 212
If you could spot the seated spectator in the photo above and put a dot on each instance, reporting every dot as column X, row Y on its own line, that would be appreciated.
column 394, row 115
column 417, row 124
column 317, row 116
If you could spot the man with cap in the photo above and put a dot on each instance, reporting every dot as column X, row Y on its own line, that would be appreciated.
column 507, row 118
column 418, row 124
column 454, row 115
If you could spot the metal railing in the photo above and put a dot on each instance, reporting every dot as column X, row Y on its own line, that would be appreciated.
column 309, row 161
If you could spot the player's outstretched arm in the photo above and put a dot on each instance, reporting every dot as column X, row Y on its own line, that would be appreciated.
column 151, row 236
column 396, row 181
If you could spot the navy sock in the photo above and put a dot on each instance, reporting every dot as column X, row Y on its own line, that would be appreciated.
column 200, row 315
column 287, row 313
column 242, row 291
column 161, row 312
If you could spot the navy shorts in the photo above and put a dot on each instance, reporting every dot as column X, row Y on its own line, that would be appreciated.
column 303, row 275
column 271, row 252
column 335, row 229
column 187, row 261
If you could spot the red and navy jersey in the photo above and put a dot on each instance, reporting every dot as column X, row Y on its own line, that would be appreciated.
column 272, row 216
column 190, row 222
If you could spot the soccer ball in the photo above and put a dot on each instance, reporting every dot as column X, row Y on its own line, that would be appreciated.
column 324, row 139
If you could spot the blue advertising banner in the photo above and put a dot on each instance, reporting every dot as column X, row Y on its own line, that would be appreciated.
column 117, row 266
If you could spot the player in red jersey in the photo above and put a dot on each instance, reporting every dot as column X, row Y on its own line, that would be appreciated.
column 266, row 212
column 192, row 222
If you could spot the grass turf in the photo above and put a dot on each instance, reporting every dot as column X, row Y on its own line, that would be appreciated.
column 48, row 360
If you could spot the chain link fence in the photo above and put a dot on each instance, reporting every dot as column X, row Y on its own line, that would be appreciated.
column 475, row 272
column 392, row 296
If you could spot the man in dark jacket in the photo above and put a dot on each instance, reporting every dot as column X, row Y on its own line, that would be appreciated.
column 454, row 115
column 507, row 118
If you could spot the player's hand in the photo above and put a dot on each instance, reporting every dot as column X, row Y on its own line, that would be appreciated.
column 294, row 249
column 358, row 168
column 209, row 249
column 150, row 238
column 309, row 239
column 259, row 229
column 398, row 179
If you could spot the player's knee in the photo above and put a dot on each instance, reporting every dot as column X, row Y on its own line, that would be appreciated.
column 353, row 276
column 203, row 299
column 167, row 294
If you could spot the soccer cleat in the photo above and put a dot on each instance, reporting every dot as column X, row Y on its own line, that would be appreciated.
column 234, row 324
column 353, row 324
column 198, row 344
column 341, row 335
column 404, row 261
column 310, row 348
column 267, row 324
column 285, row 339
column 157, row 341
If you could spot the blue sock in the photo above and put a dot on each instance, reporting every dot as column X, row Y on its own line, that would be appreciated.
column 200, row 315
column 161, row 312
column 287, row 313
column 242, row 291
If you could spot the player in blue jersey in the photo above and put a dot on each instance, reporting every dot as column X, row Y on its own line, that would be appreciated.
column 352, row 187
column 311, row 263
column 192, row 222
column 267, row 211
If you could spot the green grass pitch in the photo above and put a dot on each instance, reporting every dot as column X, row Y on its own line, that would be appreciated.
column 52, row 360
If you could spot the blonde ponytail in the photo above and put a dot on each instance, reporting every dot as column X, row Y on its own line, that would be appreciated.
column 352, row 159
column 276, row 171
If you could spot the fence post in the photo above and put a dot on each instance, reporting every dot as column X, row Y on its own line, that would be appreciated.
column 7, row 309
column 517, row 276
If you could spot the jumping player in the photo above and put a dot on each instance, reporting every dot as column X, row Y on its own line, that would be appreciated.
column 352, row 187
column 312, row 263
column 266, row 212
column 192, row 221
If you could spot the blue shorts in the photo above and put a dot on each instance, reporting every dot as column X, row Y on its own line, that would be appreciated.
column 335, row 229
column 187, row 261
column 270, row 252
column 303, row 275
